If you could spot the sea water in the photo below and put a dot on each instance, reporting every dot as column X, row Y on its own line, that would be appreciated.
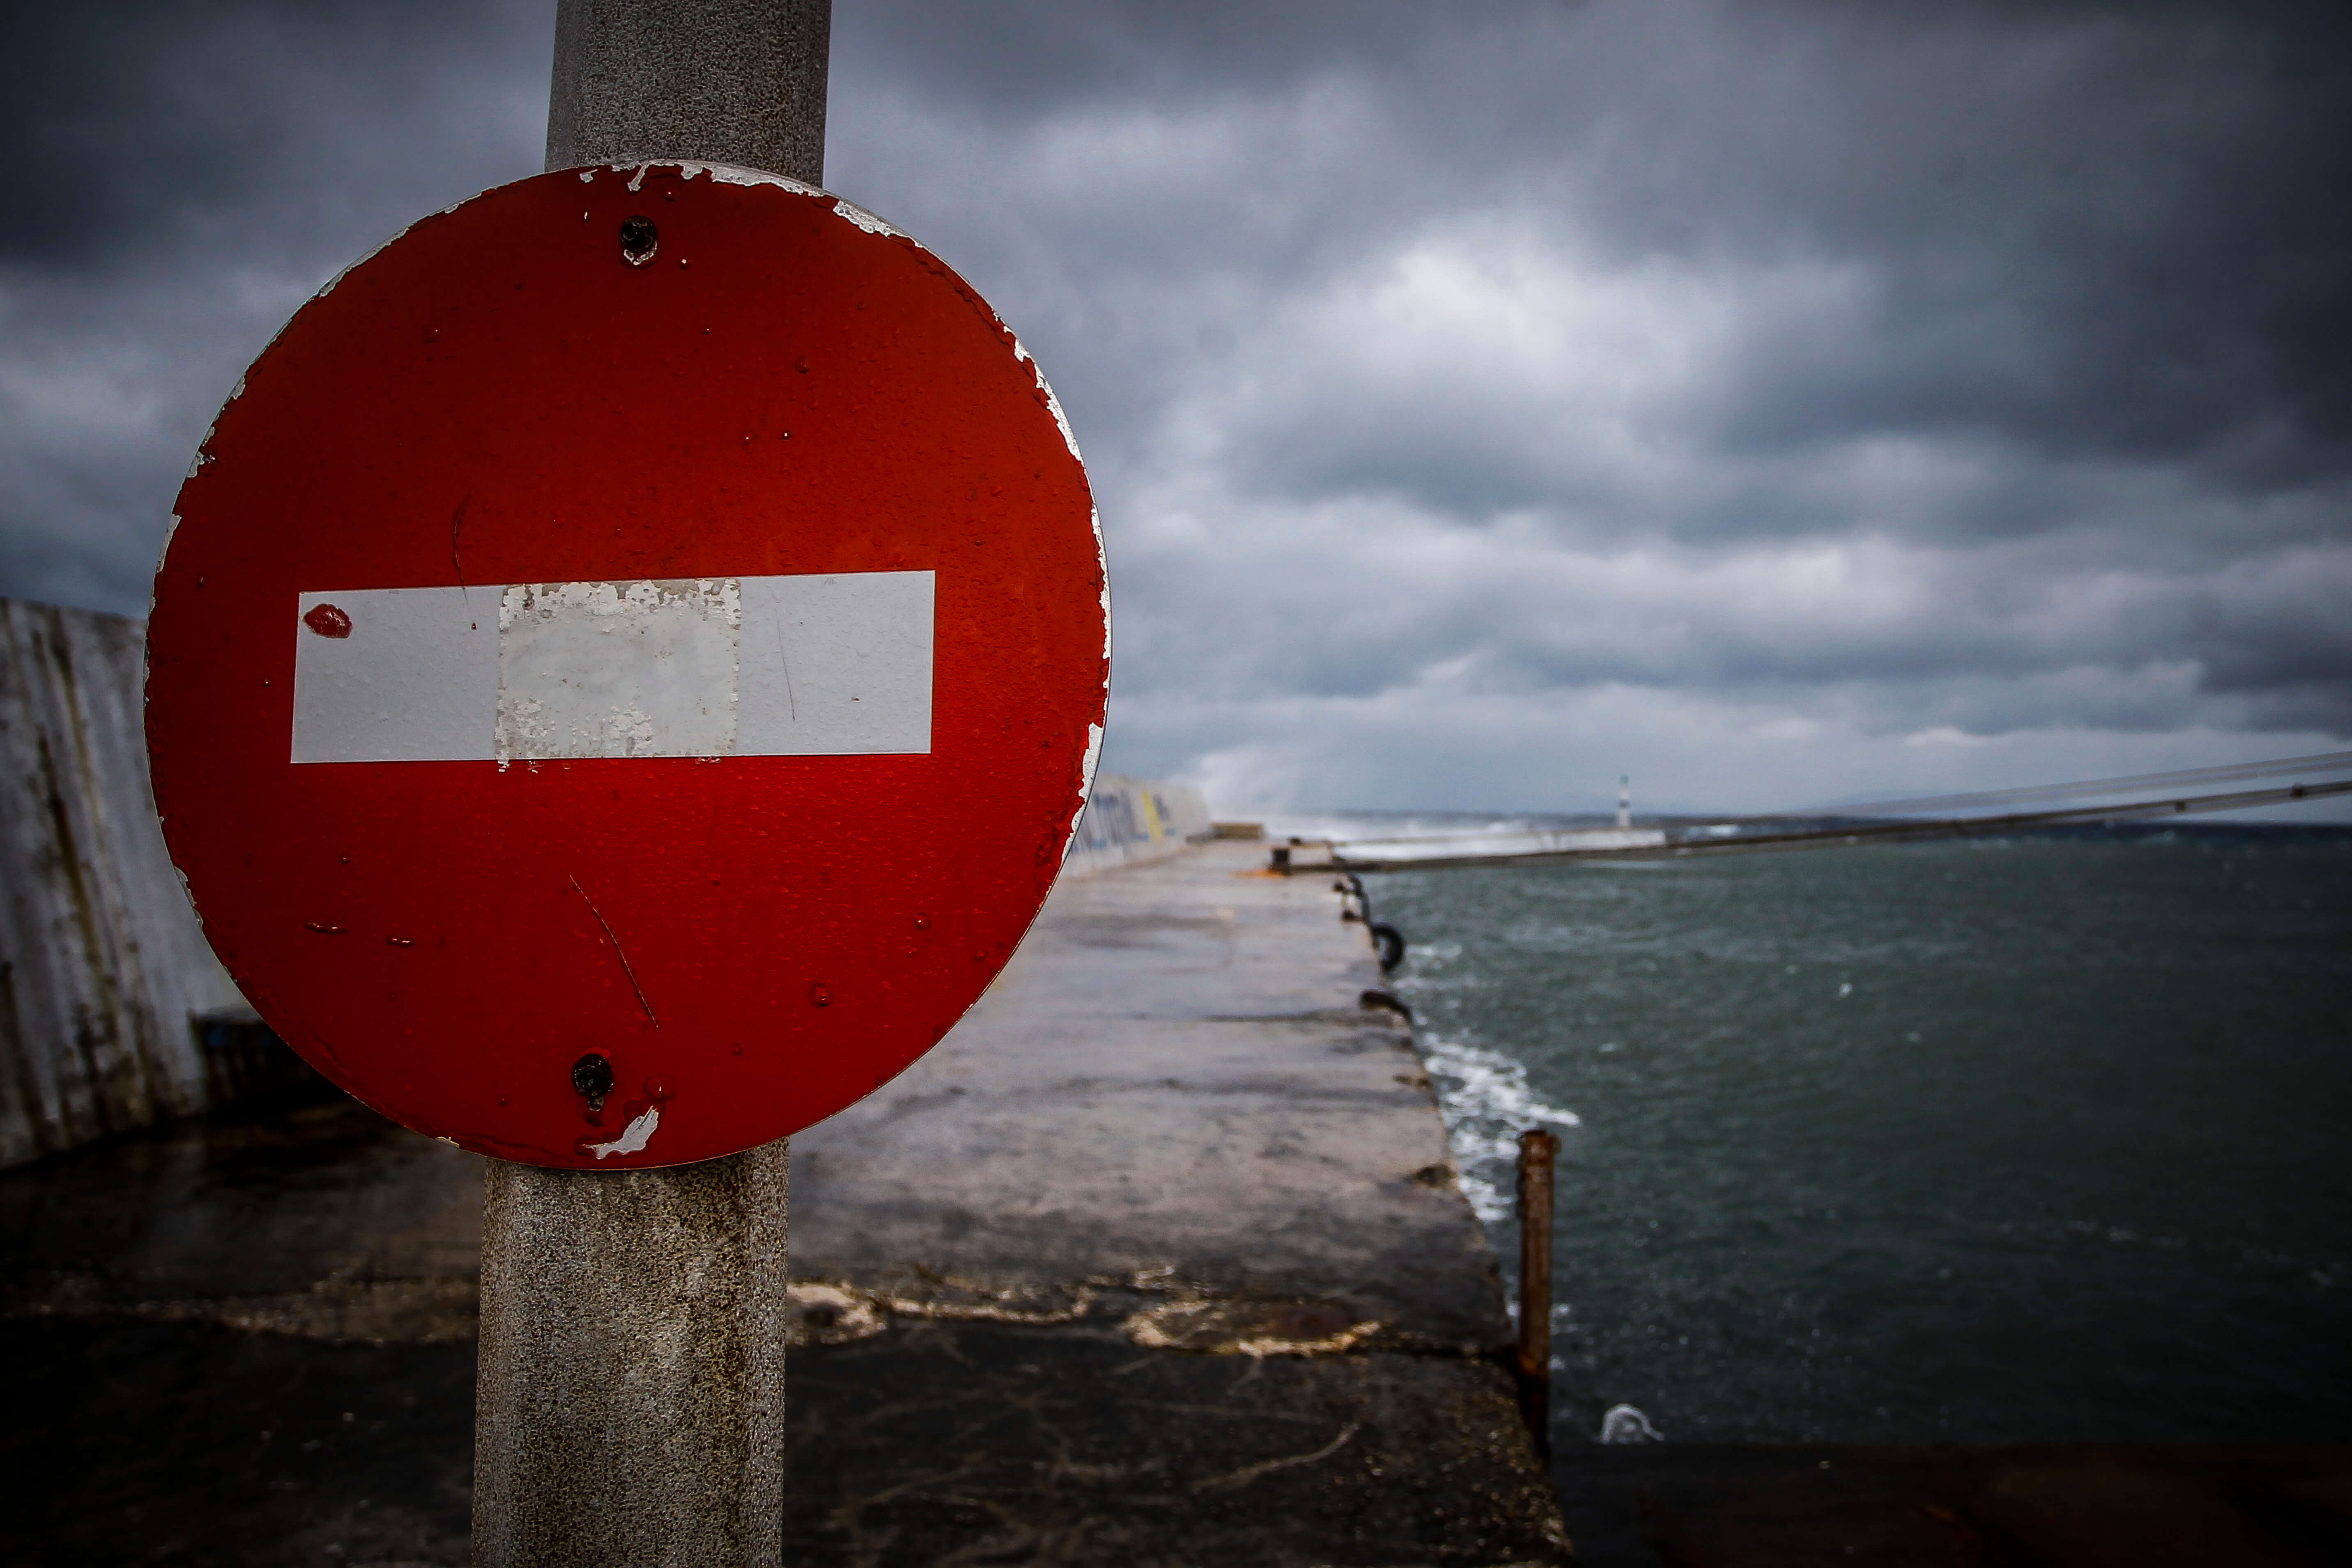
column 2030, row 1138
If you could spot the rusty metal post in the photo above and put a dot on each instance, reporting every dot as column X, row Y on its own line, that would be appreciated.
column 1537, row 1150
column 630, row 1404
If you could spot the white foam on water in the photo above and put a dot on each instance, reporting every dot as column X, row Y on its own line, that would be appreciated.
column 1487, row 1103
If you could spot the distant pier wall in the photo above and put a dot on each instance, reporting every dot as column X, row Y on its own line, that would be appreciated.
column 1131, row 820
column 108, row 989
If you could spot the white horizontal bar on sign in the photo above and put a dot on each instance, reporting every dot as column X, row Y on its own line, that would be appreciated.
column 833, row 665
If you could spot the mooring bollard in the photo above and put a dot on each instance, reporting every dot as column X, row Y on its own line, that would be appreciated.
column 1537, row 1150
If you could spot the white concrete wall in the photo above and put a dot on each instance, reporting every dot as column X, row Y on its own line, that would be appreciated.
column 1128, row 820
column 103, row 968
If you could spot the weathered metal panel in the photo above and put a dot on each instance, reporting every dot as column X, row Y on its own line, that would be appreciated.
column 103, row 968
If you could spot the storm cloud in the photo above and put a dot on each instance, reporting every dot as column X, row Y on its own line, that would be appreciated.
column 1781, row 402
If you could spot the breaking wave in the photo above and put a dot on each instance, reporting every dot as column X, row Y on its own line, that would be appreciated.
column 1487, row 1103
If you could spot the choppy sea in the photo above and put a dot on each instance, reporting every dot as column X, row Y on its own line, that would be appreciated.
column 2040, row 1137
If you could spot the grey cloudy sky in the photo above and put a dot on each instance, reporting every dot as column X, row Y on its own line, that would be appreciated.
column 1781, row 402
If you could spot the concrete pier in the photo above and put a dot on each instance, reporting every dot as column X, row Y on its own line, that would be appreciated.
column 1157, row 1259
column 1177, row 1080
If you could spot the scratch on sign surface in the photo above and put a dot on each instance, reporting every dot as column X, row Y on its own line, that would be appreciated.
column 622, row 954
column 776, row 623
column 457, row 526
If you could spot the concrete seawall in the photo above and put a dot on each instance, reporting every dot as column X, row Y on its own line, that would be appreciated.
column 1129, row 821
column 106, row 982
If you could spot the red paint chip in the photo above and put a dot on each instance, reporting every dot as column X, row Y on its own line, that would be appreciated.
column 328, row 621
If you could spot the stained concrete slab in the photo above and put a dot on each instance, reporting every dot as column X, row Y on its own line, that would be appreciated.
column 1172, row 1263
column 1158, row 1259
column 984, row 1442
column 1176, row 1080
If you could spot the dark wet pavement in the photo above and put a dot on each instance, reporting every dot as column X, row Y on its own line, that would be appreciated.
column 220, row 1361
column 307, row 1212
column 138, row 1442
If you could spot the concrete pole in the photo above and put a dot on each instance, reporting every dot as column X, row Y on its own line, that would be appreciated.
column 718, row 81
column 629, row 1411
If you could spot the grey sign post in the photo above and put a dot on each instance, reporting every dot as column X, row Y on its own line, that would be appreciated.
column 630, row 1409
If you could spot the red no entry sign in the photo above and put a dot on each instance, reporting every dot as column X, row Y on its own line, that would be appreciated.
column 627, row 664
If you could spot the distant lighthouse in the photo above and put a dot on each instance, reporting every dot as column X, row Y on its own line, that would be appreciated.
column 1624, row 800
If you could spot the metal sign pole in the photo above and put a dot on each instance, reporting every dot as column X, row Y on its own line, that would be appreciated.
column 630, row 1406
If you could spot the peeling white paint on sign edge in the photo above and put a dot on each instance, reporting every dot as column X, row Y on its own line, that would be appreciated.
column 735, row 174
column 719, row 174
column 870, row 222
column 1094, row 731
column 1086, row 777
column 328, row 287
column 1102, row 563
column 187, row 892
column 170, row 527
column 634, row 1137
column 1053, row 404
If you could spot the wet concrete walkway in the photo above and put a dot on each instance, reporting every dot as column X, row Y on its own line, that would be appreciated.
column 1157, row 1260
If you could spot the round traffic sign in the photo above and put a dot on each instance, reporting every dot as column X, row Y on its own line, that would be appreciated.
column 629, row 660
